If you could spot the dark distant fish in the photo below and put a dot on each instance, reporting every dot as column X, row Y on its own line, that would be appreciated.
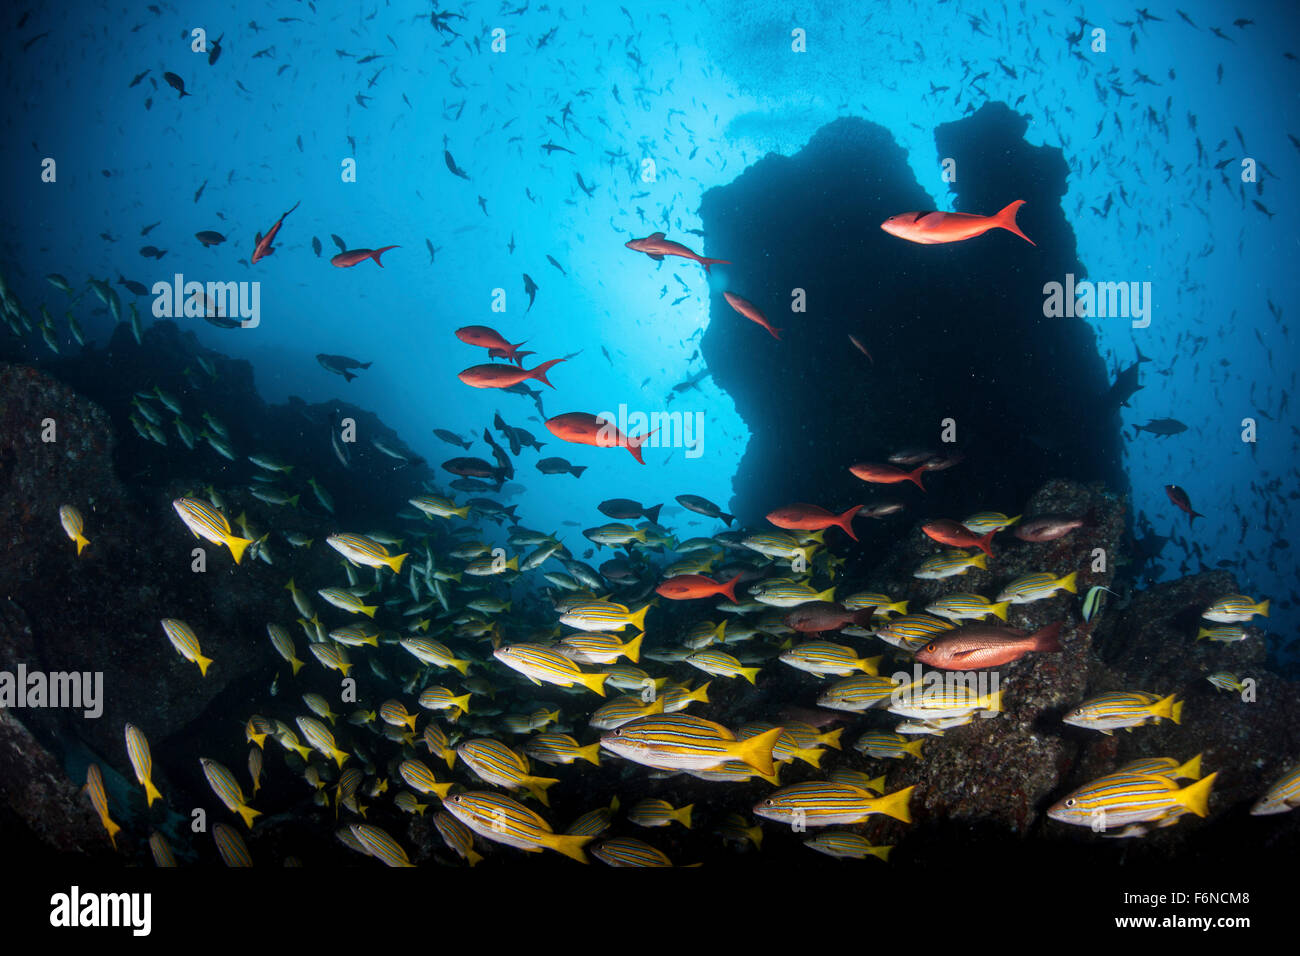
column 200, row 190
column 557, row 265
column 210, row 238
column 551, row 148
column 339, row 365
column 339, row 242
column 1046, row 527
column 137, row 288
column 215, row 53
column 452, row 438
column 451, row 164
column 656, row 247
column 152, row 252
column 469, row 467
column 558, row 466
column 1179, row 497
column 176, row 83
column 152, row 225
column 625, row 509
column 703, row 506
column 1161, row 426
column 816, row 616
column 315, row 246
column 471, row 484
column 530, row 289
column 1126, row 383
column 138, row 78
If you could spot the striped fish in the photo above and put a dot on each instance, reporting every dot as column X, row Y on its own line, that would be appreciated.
column 677, row 697
column 94, row 787
column 163, row 857
column 503, row 820
column 356, row 635
column 489, row 565
column 380, row 845
column 457, row 836
column 407, row 802
column 934, row 726
column 846, row 845
column 1281, row 797
column 1223, row 634
column 432, row 652
column 652, row 812
column 964, row 606
column 231, row 846
column 629, row 851
column 527, row 723
column 440, row 698
column 332, row 656
column 495, row 763
column 255, row 768
column 435, row 738
column 736, row 829
column 947, row 564
column 603, row 616
column 1110, row 712
column 561, row 749
column 786, row 747
column 1165, row 767
column 1036, row 587
column 420, row 778
column 820, row 804
column 364, row 551
column 807, row 736
column 319, row 706
column 856, row 778
column 703, row 633
column 594, row 822
column 787, row 592
column 539, row 663
column 347, row 601
column 777, row 544
column 318, row 736
column 886, row 746
column 983, row 522
column 682, row 741
column 913, row 631
column 1119, row 799
column 733, row 771
column 857, row 694
column 208, row 523
column 394, row 713
column 137, row 749
column 937, row 702
column 186, row 643
column 599, row 648
column 225, row 786
column 824, row 659
column 722, row 664
column 621, row 710
column 283, row 645
column 73, row 525
column 435, row 506
column 1234, row 608
column 881, row 602
column 1225, row 680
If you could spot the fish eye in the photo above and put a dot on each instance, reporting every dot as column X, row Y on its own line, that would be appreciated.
column 930, row 647
column 1070, row 802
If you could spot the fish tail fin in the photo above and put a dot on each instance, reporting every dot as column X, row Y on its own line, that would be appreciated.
column 570, row 845
column 729, row 590
column 914, row 476
column 985, row 543
column 113, row 830
column 339, row 756
column 593, row 682
column 296, row 664
column 827, row 595
column 651, row 514
column 881, row 851
column 713, row 262
column 845, row 521
column 379, row 252
column 980, row 561
column 634, row 446
column 1070, row 582
column 348, row 376
column 832, row 738
column 577, row 470
column 750, row 674
column 395, row 561
column 237, row 546
column 151, row 793
column 701, row 693
column 1196, row 797
column 539, row 373
column 897, row 804
column 1262, row 607
column 1190, row 770
column 293, row 502
column 632, row 649
column 1048, row 639
column 203, row 663
column 637, row 618
column 810, row 755
column 82, row 541
column 247, row 813
column 876, row 784
column 683, row 815
column 369, row 610
column 590, row 753
column 1006, row 218
column 1176, row 712
column 460, row 665
column 756, row 751
column 1000, row 609
column 914, row 748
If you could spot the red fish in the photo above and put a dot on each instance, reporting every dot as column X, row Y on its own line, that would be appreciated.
column 583, row 428
column 950, row 532
column 656, row 247
column 860, row 347
column 503, row 376
column 931, row 228
column 685, row 587
column 974, row 646
column 262, row 247
column 1047, row 527
column 492, row 340
column 887, row 474
column 345, row 260
column 817, row 616
column 1179, row 497
column 750, row 311
column 801, row 517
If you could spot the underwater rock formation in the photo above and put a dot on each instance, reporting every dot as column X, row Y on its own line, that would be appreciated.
column 956, row 331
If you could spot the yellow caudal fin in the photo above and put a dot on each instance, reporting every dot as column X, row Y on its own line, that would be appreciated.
column 1011, row 521
column 339, row 756
column 993, row 702
column 368, row 610
column 410, row 721
column 513, row 563
column 827, row 595
column 1190, row 770
column 831, row 738
column 462, row 513
column 683, row 815
column 151, row 793
column 203, row 663
column 112, row 828
column 1203, row 632
column 870, row 665
column 1000, row 609
column 1196, row 797
column 395, row 561
column 881, row 851
column 247, row 813
column 720, row 632
column 756, row 751
column 594, row 682
column 470, row 855
column 590, row 753
column 750, row 674
column 809, row 755
column 980, row 561
column 818, row 536
column 914, row 748
column 896, row 805
column 296, row 665
column 460, row 665
column 1070, row 582
column 637, row 618
column 82, row 541
column 1262, row 607
column 537, row 786
column 462, row 702
column 701, row 693
column 875, row 784
column 237, row 546
column 899, row 606
column 571, row 846
column 1176, row 712
column 1164, row 707
column 632, row 649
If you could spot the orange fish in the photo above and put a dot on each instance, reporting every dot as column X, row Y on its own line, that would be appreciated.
column 950, row 532
column 751, row 312
column 493, row 375
column 262, row 247
column 345, row 260
column 583, row 428
column 887, row 474
column 493, row 341
column 974, row 646
column 931, row 228
column 656, row 247
column 685, row 587
column 801, row 517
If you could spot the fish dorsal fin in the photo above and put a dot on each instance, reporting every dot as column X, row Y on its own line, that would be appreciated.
column 656, row 235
